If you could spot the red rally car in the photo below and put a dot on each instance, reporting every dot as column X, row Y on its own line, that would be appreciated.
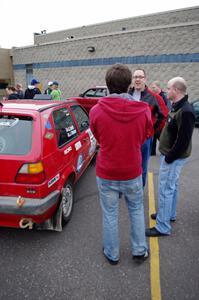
column 91, row 97
column 45, row 146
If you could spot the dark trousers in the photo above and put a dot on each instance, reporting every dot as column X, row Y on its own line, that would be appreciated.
column 145, row 150
column 154, row 142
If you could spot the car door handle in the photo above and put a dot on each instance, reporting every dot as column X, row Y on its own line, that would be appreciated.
column 85, row 139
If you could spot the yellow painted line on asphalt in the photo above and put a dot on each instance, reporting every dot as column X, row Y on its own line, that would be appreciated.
column 154, row 246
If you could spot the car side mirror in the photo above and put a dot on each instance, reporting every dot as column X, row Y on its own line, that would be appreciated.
column 81, row 95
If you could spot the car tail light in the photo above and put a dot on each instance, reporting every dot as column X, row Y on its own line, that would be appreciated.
column 31, row 173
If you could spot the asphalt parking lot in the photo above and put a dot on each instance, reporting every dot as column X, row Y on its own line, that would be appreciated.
column 70, row 265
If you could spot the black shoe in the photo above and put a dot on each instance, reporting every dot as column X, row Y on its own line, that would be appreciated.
column 154, row 232
column 111, row 262
column 172, row 220
column 140, row 258
column 154, row 217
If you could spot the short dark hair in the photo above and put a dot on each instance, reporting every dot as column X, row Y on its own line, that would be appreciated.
column 118, row 79
column 140, row 69
column 11, row 88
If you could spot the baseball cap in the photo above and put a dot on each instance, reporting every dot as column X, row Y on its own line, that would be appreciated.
column 55, row 83
column 50, row 83
column 34, row 81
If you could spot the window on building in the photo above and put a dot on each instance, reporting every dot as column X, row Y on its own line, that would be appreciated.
column 29, row 73
column 3, row 84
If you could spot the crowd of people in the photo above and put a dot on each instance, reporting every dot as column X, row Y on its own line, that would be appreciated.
column 127, row 124
column 124, row 124
column 17, row 92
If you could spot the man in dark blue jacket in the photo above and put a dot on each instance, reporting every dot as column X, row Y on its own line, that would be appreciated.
column 32, row 90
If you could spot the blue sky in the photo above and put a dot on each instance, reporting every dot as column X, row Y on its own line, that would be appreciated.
column 20, row 19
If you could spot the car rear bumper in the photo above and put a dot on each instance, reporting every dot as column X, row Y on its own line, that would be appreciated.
column 28, row 206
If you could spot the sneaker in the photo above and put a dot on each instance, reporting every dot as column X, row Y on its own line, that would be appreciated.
column 154, row 217
column 140, row 258
column 154, row 232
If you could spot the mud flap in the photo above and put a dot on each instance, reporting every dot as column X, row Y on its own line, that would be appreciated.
column 54, row 223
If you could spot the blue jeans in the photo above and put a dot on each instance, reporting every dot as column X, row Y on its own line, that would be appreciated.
column 146, row 152
column 109, row 199
column 168, row 193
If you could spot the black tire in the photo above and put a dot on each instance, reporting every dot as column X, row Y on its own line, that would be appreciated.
column 67, row 201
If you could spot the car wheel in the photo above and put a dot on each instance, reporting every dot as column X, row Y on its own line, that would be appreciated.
column 67, row 202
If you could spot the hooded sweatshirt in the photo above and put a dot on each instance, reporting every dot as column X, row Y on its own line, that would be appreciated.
column 31, row 91
column 120, row 127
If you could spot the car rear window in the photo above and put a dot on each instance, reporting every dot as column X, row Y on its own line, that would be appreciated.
column 15, row 135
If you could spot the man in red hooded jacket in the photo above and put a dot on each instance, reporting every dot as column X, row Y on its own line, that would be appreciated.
column 121, row 125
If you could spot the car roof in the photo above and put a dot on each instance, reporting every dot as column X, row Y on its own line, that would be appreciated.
column 100, row 87
column 33, row 105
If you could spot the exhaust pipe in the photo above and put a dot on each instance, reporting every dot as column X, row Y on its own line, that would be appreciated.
column 26, row 223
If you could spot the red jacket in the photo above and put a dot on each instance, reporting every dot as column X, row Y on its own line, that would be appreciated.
column 156, row 106
column 120, row 126
column 163, row 108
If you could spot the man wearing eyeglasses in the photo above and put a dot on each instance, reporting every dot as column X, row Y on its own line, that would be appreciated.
column 141, row 92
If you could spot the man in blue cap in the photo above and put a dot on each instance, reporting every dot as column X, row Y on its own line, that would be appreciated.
column 32, row 89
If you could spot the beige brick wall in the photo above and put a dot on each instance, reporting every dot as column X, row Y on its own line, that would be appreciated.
column 152, row 41
column 6, row 70
column 157, row 19
column 5, row 64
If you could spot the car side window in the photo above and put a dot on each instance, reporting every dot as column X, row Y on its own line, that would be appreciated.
column 64, row 126
column 101, row 93
column 90, row 93
column 105, row 91
column 81, row 117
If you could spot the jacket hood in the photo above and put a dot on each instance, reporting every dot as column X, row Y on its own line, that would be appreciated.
column 122, row 110
column 31, row 87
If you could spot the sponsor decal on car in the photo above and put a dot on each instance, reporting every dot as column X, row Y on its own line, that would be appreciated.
column 53, row 180
column 49, row 135
column 67, row 150
column 48, row 125
column 78, row 145
column 92, row 141
column 9, row 122
column 80, row 162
